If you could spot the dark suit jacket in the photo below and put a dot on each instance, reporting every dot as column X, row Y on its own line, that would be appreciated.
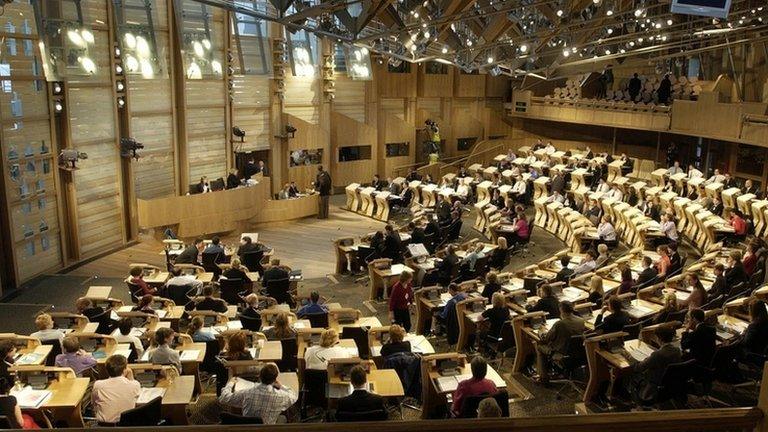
column 323, row 183
column 392, row 247
column 360, row 401
column 273, row 273
column 250, row 169
column 613, row 322
column 208, row 304
column 646, row 275
column 418, row 236
column 547, row 304
column 243, row 249
column 652, row 369
column 188, row 256
column 699, row 344
column 444, row 210
column 756, row 337
column 716, row 209
column 232, row 181
column 735, row 275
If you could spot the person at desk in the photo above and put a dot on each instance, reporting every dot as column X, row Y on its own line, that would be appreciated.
column 323, row 184
column 10, row 409
column 648, row 374
column 556, row 340
column 664, row 263
column 314, row 306
column 74, row 357
column 262, row 168
column 716, row 177
column 627, row 283
column 285, row 192
column 716, row 207
column 602, row 256
column 675, row 169
column 648, row 273
column 145, row 305
column 616, row 320
column 588, row 264
column 361, row 400
column 274, row 272
column 281, row 330
column 45, row 331
column 698, row 296
column 86, row 308
column 137, row 279
column 488, row 408
column 492, row 285
column 317, row 356
column 735, row 273
column 499, row 256
column 208, row 303
column 236, row 271
column 413, row 175
column 250, row 169
column 594, row 212
column 456, row 296
column 497, row 315
column 198, row 332
column 266, row 400
column 400, row 301
column 377, row 183
column 124, row 336
column 191, row 253
column 418, row 236
column 453, row 230
column 694, row 173
column 162, row 353
column 251, row 309
column 547, row 302
column 565, row 272
column 7, row 355
column 738, row 223
column 442, row 209
column 232, row 180
column 719, row 286
column 615, row 193
column 750, row 188
column 445, row 268
column 755, row 337
column 396, row 343
column 668, row 230
column 669, row 308
column 215, row 247
column 392, row 244
column 558, row 182
column 596, row 290
column 699, row 338
column 237, row 347
column 475, row 386
column 182, row 284
column 470, row 259
column 293, row 190
column 116, row 394
column 605, row 230
column 204, row 186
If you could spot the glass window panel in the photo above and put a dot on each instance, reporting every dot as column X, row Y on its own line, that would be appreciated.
column 141, row 54
column 200, row 40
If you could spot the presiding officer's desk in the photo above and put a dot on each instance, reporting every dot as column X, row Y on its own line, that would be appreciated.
column 222, row 211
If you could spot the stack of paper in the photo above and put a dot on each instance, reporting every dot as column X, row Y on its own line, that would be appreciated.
column 147, row 394
column 189, row 355
column 30, row 398
column 29, row 358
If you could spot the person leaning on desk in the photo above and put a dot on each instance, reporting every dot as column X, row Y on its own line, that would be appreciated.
column 162, row 353
column 647, row 374
column 266, row 400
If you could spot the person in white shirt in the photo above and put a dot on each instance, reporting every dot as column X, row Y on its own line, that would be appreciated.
column 549, row 149
column 267, row 400
column 519, row 188
column 605, row 230
column 45, row 331
column 693, row 173
column 531, row 158
column 668, row 228
column 186, row 280
column 123, row 336
column 556, row 197
column 317, row 356
column 116, row 394
column 471, row 258
column 616, row 193
column 716, row 177
column 675, row 169
column 588, row 264
column 463, row 189
column 602, row 186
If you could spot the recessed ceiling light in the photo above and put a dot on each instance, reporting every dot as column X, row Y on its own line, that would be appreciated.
column 523, row 48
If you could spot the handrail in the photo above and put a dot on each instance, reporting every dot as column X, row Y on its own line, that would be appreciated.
column 602, row 104
column 669, row 421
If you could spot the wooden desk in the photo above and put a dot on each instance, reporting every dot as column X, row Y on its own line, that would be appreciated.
column 381, row 278
column 385, row 382
column 38, row 355
column 605, row 365
column 526, row 337
column 425, row 307
column 99, row 291
column 179, row 392
column 198, row 214
column 67, row 392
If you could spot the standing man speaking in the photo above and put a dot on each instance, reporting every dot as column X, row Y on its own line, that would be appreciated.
column 323, row 185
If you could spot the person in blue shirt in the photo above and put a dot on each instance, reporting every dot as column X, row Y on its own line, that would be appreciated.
column 214, row 247
column 198, row 332
column 313, row 307
column 456, row 296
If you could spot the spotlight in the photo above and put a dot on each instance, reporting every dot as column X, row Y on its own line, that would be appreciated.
column 76, row 38
column 119, row 69
column 88, row 65
column 236, row 131
column 128, row 147
column 57, row 88
column 609, row 12
column 120, row 86
column 566, row 53
column 117, row 51
column 58, row 106
column 87, row 36
column 523, row 48
column 290, row 130
column 490, row 60
column 120, row 102
column 445, row 50
column 559, row 12
column 638, row 13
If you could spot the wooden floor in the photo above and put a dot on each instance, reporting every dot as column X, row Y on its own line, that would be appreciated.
column 305, row 244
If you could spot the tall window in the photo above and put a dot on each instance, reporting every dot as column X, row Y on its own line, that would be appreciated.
column 251, row 39
column 302, row 51
column 138, row 42
column 200, row 43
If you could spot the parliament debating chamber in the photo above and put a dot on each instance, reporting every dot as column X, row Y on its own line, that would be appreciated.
column 399, row 215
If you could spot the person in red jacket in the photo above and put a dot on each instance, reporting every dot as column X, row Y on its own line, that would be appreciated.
column 400, row 299
column 475, row 386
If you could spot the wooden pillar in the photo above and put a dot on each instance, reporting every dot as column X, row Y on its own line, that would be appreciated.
column 180, row 100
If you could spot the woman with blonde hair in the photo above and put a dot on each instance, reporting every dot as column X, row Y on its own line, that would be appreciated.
column 497, row 315
column 596, row 292
column 317, row 356
column 396, row 343
column 500, row 255
column 45, row 331
column 281, row 330
column 236, row 271
column 670, row 307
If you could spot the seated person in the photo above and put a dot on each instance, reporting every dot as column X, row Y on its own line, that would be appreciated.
column 670, row 308
column 664, row 263
column 285, row 192
column 750, row 259
column 74, row 357
column 208, row 303
column 699, row 338
column 735, row 273
column 596, row 291
column 491, row 286
column 475, row 386
column 236, row 271
column 215, row 247
column 602, row 255
column 313, row 307
column 668, row 229
column 605, row 230
column 199, row 332
column 162, row 353
column 45, row 331
column 521, row 230
column 488, row 408
column 453, row 231
column 565, row 272
column 317, row 356
column 236, row 347
column 500, row 255
column 497, row 315
column 251, row 309
column 587, row 265
column 86, row 308
column 361, row 399
column 698, row 296
column 145, row 305
column 187, row 283
column 113, row 396
column 204, row 186
column 124, row 336
column 137, row 278
column 648, row 272
column 281, row 330
column 418, row 236
column 647, row 375
column 232, row 180
column 247, row 246
column 456, row 296
column 719, row 285
column 274, row 272
column 396, row 344
column 266, row 400
column 616, row 320
column 191, row 254
column 445, row 268
column 547, row 302
column 556, row 340
column 755, row 338
column 627, row 283
column 293, row 190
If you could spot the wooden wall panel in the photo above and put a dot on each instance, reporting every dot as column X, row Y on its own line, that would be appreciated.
column 435, row 85
column 395, row 85
column 394, row 107
column 308, row 137
column 346, row 131
column 303, row 96
column 350, row 98
column 252, row 111
column 393, row 130
column 206, row 129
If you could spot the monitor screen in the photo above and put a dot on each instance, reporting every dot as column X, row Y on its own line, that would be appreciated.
column 712, row 8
